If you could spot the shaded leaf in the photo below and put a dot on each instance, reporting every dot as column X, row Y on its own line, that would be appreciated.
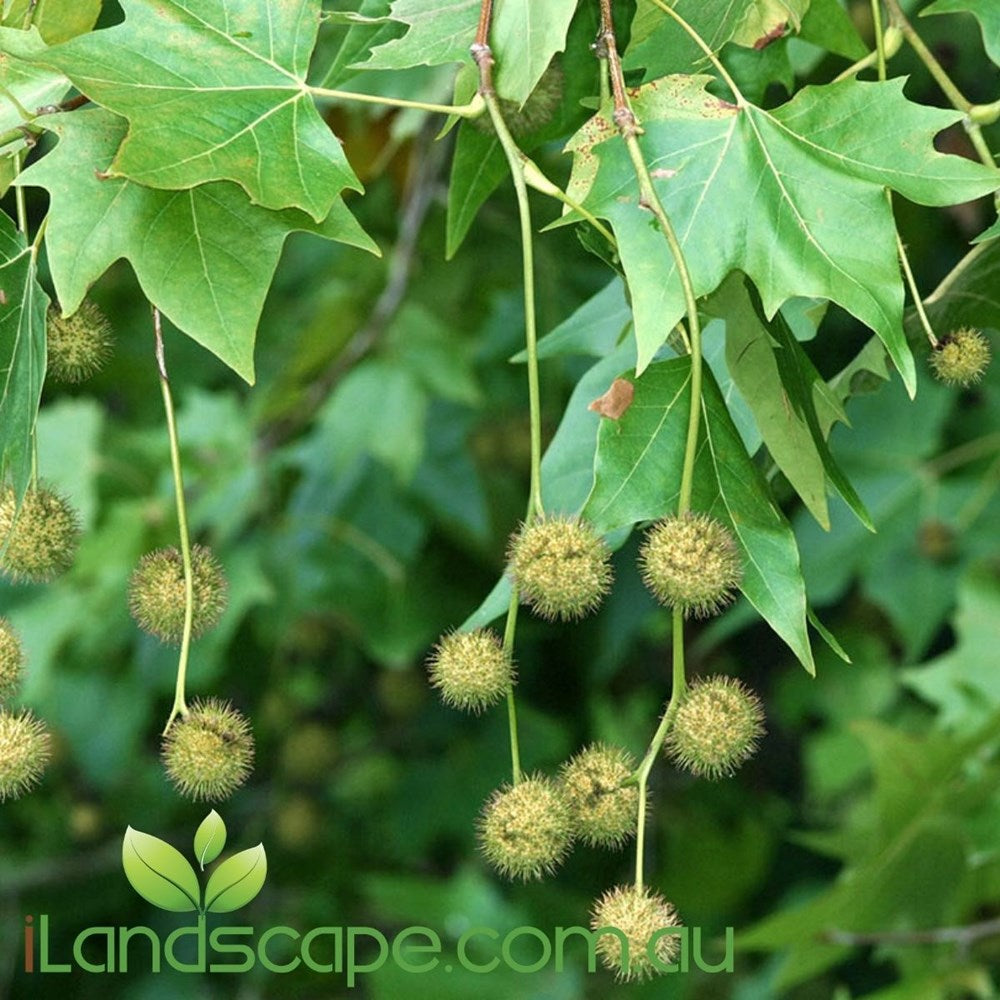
column 771, row 192
column 159, row 872
column 25, row 86
column 23, row 304
column 986, row 12
column 525, row 36
column 204, row 256
column 214, row 91
column 236, row 881
column 209, row 839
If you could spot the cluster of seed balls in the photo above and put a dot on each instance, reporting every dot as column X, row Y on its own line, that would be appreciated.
column 561, row 569
column 38, row 542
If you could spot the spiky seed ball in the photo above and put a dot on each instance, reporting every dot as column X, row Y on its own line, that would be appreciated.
column 208, row 753
column 690, row 561
column 961, row 357
column 539, row 109
column 604, row 813
column 471, row 670
column 11, row 661
column 718, row 727
column 78, row 345
column 525, row 830
column 156, row 593
column 41, row 538
column 638, row 914
column 561, row 567
column 25, row 748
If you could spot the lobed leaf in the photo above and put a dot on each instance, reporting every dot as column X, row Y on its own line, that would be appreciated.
column 215, row 90
column 793, row 197
column 204, row 256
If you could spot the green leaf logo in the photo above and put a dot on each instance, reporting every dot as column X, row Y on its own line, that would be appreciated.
column 160, row 873
column 236, row 881
column 209, row 839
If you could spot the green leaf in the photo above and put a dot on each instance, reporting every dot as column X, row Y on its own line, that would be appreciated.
column 236, row 881
column 215, row 90
column 660, row 45
column 209, row 839
column 637, row 478
column 752, row 359
column 23, row 304
column 986, row 12
column 369, row 27
column 524, row 37
column 56, row 20
column 204, row 256
column 964, row 683
column 25, row 86
column 159, row 872
column 970, row 296
column 793, row 197
column 828, row 25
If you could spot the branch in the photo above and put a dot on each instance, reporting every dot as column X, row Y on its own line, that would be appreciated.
column 966, row 935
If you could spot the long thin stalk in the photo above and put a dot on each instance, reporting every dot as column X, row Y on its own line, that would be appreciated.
column 180, row 703
column 473, row 109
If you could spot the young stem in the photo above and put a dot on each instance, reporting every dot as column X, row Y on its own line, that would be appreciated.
column 641, row 776
column 958, row 100
column 471, row 110
column 912, row 283
column 180, row 704
column 508, row 647
column 516, row 164
column 879, row 38
column 648, row 198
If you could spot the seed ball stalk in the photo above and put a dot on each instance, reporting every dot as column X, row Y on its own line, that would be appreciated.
column 157, row 593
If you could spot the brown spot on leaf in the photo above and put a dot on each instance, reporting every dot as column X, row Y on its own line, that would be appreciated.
column 778, row 31
column 615, row 401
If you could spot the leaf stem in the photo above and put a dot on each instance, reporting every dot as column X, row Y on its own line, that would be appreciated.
column 180, row 703
column 516, row 164
column 473, row 109
column 958, row 100
column 19, row 197
column 536, row 180
column 705, row 47
column 879, row 38
column 912, row 283
column 508, row 647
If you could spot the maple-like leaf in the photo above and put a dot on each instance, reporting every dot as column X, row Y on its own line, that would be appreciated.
column 793, row 197
column 214, row 90
column 525, row 35
column 205, row 256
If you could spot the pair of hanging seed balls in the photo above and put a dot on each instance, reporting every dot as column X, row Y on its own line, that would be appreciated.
column 207, row 752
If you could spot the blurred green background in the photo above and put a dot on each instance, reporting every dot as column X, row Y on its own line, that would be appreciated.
column 360, row 497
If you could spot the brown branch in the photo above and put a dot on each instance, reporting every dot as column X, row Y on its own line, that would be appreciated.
column 966, row 935
column 481, row 51
column 607, row 48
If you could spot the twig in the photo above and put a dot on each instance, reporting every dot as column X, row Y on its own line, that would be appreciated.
column 966, row 935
